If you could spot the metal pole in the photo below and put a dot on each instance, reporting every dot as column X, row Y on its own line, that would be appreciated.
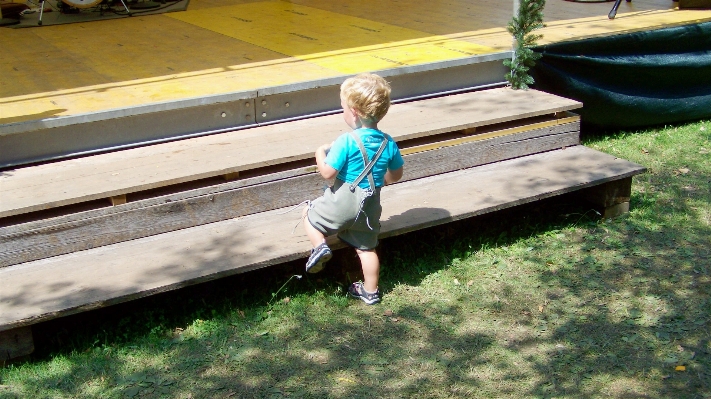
column 513, row 41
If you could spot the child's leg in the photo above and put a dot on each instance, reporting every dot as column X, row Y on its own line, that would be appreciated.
column 371, row 269
column 321, row 253
column 315, row 236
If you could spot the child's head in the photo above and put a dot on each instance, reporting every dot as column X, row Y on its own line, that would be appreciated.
column 368, row 95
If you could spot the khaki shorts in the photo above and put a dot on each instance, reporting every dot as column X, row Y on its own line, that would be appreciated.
column 339, row 211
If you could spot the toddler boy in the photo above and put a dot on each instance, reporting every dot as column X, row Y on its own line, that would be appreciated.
column 362, row 161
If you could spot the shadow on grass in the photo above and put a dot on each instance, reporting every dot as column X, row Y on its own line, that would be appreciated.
column 603, row 328
column 244, row 354
column 611, row 309
column 642, row 287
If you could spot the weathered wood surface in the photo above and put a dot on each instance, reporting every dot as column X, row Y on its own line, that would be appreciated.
column 42, row 187
column 613, row 198
column 45, row 238
column 609, row 194
column 62, row 285
column 15, row 343
column 616, row 210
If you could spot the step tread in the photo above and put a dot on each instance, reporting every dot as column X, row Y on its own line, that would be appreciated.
column 48, row 288
column 73, row 181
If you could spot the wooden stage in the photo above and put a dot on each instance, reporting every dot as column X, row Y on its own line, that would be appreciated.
column 467, row 154
column 211, row 206
column 224, row 46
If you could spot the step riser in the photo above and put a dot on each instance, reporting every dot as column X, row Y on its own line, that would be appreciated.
column 67, row 284
column 60, row 138
column 161, row 167
column 39, row 240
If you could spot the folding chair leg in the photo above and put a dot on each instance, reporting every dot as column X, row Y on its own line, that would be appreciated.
column 126, row 7
column 41, row 12
column 615, row 6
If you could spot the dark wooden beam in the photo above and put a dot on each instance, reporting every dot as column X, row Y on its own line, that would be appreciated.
column 612, row 197
column 16, row 343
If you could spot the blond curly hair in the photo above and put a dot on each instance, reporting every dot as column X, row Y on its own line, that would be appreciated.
column 368, row 95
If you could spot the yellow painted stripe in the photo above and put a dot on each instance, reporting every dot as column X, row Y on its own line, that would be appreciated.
column 490, row 135
column 335, row 41
column 624, row 22
column 166, row 88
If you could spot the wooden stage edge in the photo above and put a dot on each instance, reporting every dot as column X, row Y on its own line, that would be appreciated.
column 130, row 171
column 62, row 285
column 483, row 152
column 100, row 89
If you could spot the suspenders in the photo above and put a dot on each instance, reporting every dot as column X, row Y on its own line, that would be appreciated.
column 368, row 165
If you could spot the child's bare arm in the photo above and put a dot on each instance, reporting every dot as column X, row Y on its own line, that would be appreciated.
column 391, row 176
column 326, row 171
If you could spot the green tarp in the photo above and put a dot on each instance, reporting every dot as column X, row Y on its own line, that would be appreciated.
column 639, row 79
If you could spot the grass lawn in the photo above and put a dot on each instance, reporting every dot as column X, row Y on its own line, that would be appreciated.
column 544, row 300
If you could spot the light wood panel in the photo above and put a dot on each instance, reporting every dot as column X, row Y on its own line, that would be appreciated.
column 44, row 238
column 45, row 289
column 102, row 176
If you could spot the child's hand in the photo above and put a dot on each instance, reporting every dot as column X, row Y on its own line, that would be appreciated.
column 326, row 147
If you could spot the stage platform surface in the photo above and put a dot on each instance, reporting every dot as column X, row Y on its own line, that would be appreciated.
column 228, row 46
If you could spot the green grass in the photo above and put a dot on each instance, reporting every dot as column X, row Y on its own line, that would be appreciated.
column 540, row 301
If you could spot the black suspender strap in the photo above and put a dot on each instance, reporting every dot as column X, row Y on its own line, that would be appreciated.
column 368, row 165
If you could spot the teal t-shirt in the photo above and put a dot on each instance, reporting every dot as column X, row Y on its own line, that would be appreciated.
column 345, row 157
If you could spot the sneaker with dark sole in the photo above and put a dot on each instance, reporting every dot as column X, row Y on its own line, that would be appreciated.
column 319, row 256
column 358, row 291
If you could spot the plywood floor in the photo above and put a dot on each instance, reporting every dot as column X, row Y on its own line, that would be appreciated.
column 223, row 46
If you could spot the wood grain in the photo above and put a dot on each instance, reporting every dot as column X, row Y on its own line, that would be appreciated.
column 15, row 343
column 107, row 175
column 66, row 284
column 38, row 240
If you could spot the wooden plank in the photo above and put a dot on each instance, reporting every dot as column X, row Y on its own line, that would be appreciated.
column 16, row 343
column 609, row 194
column 63, row 235
column 616, row 210
column 613, row 198
column 470, row 135
column 102, row 176
column 118, row 199
column 62, row 285
column 231, row 176
column 479, row 153
column 285, row 171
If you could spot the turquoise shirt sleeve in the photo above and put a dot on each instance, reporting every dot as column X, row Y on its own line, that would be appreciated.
column 338, row 154
column 396, row 162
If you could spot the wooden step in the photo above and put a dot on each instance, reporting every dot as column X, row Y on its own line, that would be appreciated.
column 116, row 174
column 45, row 289
column 93, row 228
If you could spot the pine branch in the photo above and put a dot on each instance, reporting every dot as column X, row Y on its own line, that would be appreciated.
column 529, row 19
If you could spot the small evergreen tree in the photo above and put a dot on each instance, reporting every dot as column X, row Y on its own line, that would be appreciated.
column 529, row 18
